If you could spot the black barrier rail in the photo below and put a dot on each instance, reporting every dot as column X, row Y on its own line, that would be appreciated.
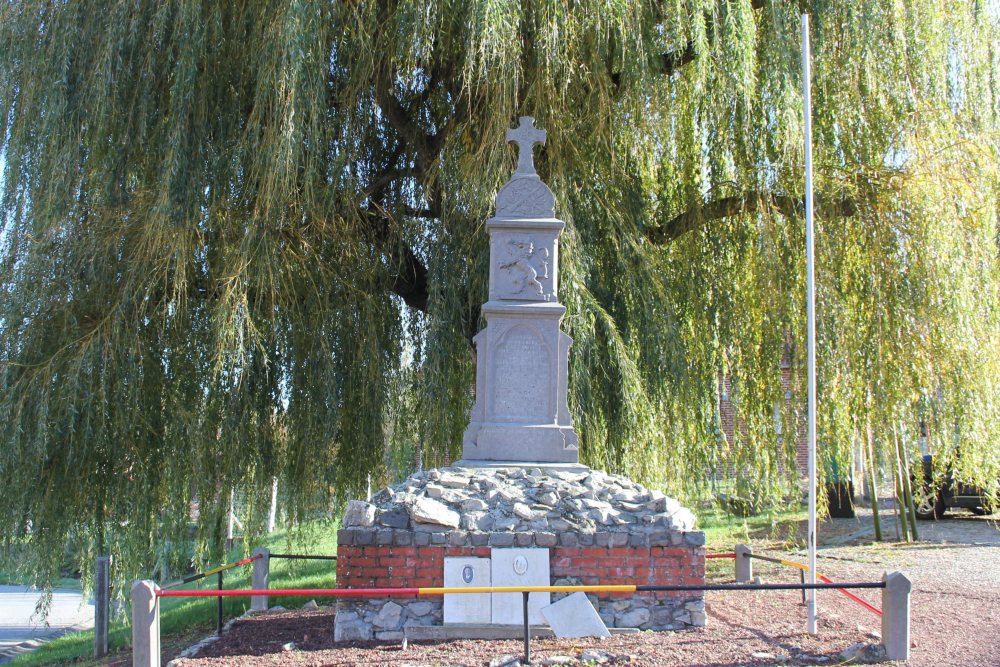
column 218, row 571
column 301, row 557
column 208, row 573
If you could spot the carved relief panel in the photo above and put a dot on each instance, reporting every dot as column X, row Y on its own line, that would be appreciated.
column 523, row 266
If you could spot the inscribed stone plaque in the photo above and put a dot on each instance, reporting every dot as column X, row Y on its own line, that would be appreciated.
column 522, row 375
column 519, row 567
column 466, row 607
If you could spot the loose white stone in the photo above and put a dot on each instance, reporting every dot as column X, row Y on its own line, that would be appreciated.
column 523, row 511
column 851, row 652
column 511, row 494
column 454, row 481
column 600, row 657
column 601, row 515
column 359, row 513
column 549, row 498
column 682, row 519
column 427, row 510
column 663, row 505
column 474, row 505
column 505, row 661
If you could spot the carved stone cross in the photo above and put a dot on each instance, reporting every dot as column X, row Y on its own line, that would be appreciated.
column 526, row 135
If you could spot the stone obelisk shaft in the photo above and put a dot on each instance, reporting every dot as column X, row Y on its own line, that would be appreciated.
column 521, row 414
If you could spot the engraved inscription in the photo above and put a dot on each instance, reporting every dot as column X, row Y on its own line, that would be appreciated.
column 525, row 265
column 523, row 377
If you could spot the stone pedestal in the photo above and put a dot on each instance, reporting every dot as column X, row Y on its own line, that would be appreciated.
column 521, row 413
column 597, row 528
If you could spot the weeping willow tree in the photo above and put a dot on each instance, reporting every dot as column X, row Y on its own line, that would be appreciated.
column 242, row 240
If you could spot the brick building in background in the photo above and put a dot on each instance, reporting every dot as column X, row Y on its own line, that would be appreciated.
column 728, row 422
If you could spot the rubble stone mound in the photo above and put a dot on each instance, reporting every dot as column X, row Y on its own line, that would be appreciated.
column 518, row 507
column 598, row 528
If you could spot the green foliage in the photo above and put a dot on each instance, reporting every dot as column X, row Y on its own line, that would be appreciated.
column 246, row 240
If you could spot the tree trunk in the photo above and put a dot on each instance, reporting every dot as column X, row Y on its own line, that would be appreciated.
column 911, row 510
column 872, row 488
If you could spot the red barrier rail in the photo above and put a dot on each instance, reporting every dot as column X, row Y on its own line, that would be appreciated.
column 318, row 592
column 851, row 595
column 710, row 556
column 802, row 567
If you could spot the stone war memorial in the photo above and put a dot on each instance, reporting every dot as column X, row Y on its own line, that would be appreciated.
column 518, row 509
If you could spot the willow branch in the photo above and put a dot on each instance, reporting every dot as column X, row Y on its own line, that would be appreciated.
column 671, row 62
column 409, row 275
column 750, row 202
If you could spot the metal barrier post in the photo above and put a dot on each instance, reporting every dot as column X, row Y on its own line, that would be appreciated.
column 744, row 564
column 527, row 631
column 102, row 604
column 802, row 578
column 218, row 624
column 896, row 615
column 145, row 625
column 261, row 574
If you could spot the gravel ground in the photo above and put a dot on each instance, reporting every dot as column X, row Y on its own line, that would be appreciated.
column 955, row 618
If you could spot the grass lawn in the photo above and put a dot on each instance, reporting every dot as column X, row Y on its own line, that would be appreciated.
column 776, row 529
column 780, row 531
column 183, row 621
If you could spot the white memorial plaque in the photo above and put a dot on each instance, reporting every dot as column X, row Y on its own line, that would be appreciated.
column 519, row 567
column 575, row 616
column 467, row 607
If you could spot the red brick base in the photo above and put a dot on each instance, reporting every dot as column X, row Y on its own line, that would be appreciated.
column 408, row 567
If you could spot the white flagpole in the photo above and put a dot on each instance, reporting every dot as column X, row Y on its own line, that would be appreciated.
column 811, row 323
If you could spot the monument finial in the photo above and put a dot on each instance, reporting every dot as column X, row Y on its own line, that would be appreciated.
column 526, row 135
